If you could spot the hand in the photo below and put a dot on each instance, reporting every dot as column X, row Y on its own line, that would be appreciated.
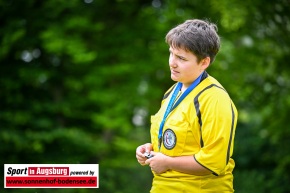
column 158, row 162
column 140, row 152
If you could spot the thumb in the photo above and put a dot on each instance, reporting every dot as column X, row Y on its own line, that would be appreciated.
column 148, row 147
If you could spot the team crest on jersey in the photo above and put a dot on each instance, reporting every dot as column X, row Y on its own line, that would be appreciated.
column 169, row 139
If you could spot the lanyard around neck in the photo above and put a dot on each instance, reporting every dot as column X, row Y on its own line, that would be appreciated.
column 170, row 105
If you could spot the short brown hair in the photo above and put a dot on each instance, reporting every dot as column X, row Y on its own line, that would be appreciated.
column 197, row 36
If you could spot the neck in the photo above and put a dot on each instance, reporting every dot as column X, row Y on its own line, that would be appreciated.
column 186, row 85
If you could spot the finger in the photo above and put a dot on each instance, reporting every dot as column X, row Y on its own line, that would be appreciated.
column 139, row 155
column 142, row 157
column 140, row 152
column 142, row 163
column 147, row 162
column 139, row 149
column 148, row 147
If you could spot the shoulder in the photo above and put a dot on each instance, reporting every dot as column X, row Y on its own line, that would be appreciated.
column 212, row 95
column 211, row 87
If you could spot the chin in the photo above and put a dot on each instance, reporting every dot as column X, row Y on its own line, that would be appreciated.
column 174, row 78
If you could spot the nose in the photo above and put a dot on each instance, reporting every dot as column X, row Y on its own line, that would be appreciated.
column 172, row 62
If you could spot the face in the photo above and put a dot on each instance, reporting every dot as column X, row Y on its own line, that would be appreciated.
column 184, row 66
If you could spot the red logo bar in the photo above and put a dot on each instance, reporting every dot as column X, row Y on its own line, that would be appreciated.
column 40, row 171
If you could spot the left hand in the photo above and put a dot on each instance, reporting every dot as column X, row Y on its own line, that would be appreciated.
column 158, row 163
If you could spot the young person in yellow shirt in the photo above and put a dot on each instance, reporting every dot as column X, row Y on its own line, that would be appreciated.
column 192, row 134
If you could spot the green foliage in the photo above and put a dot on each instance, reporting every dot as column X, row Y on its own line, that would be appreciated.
column 80, row 79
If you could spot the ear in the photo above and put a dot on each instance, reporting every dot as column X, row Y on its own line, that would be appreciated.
column 205, row 63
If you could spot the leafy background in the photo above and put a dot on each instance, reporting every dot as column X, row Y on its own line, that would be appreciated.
column 80, row 79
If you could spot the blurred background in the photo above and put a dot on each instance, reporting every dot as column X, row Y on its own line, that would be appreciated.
column 79, row 80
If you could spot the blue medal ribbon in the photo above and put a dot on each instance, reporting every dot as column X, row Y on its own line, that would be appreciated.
column 170, row 105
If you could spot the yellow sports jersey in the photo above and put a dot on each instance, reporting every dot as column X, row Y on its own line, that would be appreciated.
column 202, row 125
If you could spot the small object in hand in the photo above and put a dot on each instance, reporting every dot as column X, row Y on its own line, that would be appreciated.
column 148, row 155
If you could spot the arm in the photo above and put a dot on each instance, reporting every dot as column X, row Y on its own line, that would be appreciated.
column 186, row 164
column 219, row 118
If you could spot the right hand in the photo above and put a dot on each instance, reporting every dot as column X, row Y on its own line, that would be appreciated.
column 147, row 147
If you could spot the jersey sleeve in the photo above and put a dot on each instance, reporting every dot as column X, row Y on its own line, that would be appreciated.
column 218, row 118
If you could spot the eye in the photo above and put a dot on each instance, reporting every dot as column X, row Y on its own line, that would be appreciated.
column 181, row 58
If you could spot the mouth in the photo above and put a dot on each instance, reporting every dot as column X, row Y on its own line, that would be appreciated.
column 174, row 71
